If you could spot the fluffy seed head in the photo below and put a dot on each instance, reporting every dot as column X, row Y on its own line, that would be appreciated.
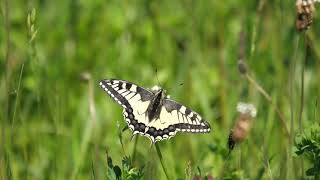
column 243, row 123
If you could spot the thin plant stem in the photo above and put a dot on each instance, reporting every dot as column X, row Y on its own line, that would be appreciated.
column 18, row 95
column 89, row 131
column 225, row 165
column 93, row 171
column 161, row 160
column 120, row 137
column 291, row 87
column 93, row 117
column 252, row 81
column 134, row 152
column 291, row 82
column 7, row 32
column 4, row 164
column 269, row 99
column 302, row 82
column 306, row 42
column 8, row 167
column 267, row 166
column 1, row 12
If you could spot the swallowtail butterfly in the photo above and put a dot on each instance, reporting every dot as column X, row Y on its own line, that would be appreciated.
column 151, row 113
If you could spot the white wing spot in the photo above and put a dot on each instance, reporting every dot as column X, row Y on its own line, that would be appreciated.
column 151, row 137
column 125, row 93
column 130, row 96
column 133, row 88
column 181, row 117
column 183, row 109
column 189, row 120
column 122, row 91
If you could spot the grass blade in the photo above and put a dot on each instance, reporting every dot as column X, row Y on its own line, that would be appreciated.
column 161, row 160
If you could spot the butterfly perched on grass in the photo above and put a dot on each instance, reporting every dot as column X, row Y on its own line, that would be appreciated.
column 151, row 113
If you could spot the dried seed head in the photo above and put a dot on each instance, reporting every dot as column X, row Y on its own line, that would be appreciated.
column 305, row 10
column 245, row 108
column 304, row 21
column 243, row 124
column 85, row 76
column 242, row 127
column 242, row 67
column 305, row 6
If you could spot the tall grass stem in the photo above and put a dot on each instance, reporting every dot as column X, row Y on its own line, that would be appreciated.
column 18, row 95
column 302, row 81
column 269, row 99
column 161, row 160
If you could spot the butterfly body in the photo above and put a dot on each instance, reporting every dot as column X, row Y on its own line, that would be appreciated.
column 151, row 113
column 154, row 108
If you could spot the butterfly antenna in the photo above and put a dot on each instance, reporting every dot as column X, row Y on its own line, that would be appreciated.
column 180, row 84
column 157, row 77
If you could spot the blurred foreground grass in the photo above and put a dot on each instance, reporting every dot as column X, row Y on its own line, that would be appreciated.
column 57, row 124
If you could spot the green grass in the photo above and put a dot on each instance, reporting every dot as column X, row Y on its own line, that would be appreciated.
column 56, row 123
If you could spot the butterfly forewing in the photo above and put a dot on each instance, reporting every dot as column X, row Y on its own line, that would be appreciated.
column 133, row 99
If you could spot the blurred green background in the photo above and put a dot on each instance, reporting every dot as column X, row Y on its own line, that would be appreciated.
column 56, row 123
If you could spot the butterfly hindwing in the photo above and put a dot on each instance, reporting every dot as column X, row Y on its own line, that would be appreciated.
column 175, row 117
column 185, row 119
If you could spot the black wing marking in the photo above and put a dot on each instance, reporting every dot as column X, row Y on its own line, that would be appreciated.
column 175, row 117
column 122, row 91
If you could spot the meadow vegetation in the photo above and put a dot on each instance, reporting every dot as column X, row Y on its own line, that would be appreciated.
column 57, row 123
